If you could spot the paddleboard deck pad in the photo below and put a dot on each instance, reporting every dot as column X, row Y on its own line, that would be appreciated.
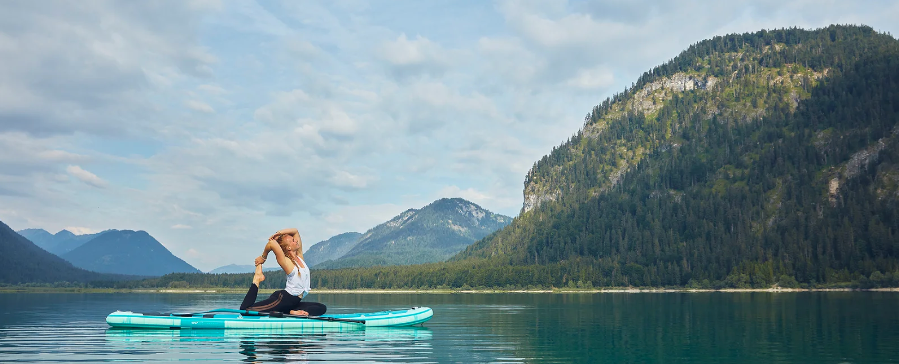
column 233, row 319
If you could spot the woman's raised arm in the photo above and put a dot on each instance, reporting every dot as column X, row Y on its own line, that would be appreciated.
column 283, row 260
column 291, row 231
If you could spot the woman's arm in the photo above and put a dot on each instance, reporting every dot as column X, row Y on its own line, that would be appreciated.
column 284, row 261
column 291, row 231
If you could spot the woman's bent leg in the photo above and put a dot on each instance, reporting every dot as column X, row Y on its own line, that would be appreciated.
column 280, row 301
column 313, row 308
column 250, row 298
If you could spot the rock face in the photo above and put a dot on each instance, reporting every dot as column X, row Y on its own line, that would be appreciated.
column 652, row 96
column 431, row 234
column 859, row 161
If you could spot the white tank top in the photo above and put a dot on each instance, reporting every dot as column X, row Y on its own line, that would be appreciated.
column 298, row 280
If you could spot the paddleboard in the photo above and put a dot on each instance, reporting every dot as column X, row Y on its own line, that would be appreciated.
column 232, row 319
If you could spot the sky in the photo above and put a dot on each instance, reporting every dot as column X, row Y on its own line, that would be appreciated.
column 212, row 124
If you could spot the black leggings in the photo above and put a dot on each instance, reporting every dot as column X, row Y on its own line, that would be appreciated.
column 280, row 301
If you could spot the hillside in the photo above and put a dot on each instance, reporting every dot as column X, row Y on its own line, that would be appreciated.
column 21, row 261
column 432, row 234
column 748, row 159
column 333, row 248
column 60, row 243
column 127, row 252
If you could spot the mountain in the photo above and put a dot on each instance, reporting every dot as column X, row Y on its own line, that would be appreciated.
column 431, row 234
column 333, row 248
column 127, row 252
column 21, row 261
column 237, row 269
column 748, row 160
column 60, row 243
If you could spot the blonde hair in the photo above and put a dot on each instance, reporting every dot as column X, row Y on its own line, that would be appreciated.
column 287, row 252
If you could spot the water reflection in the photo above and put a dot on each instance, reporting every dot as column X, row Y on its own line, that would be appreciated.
column 823, row 327
column 403, row 344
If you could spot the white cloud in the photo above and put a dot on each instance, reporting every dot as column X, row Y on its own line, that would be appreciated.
column 88, row 67
column 420, row 56
column 347, row 179
column 405, row 52
column 181, row 226
column 212, row 89
column 597, row 78
column 86, row 177
column 78, row 230
column 200, row 106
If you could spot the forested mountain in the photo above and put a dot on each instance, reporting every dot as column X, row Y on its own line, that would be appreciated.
column 60, row 243
column 21, row 261
column 431, row 234
column 747, row 159
column 127, row 252
column 333, row 248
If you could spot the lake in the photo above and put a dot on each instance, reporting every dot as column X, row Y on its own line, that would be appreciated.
column 714, row 327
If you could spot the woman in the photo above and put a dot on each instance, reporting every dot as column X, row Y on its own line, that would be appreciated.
column 288, row 249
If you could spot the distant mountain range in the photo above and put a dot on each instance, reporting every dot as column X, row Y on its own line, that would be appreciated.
column 332, row 248
column 59, row 243
column 21, row 261
column 431, row 234
column 237, row 269
column 127, row 252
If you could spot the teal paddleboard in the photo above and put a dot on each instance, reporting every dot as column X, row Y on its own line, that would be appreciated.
column 236, row 319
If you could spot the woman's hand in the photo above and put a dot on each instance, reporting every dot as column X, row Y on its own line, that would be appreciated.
column 259, row 260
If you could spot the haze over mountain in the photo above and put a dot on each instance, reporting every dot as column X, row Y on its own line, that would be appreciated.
column 333, row 248
column 127, row 252
column 21, row 261
column 430, row 234
column 60, row 243
column 237, row 269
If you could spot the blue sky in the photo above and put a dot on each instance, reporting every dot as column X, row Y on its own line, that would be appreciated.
column 212, row 124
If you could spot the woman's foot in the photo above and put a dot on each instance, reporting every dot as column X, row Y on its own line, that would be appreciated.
column 299, row 313
column 258, row 277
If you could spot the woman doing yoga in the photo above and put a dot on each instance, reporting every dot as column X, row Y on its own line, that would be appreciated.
column 288, row 249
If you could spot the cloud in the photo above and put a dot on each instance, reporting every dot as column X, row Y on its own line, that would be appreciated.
column 91, row 67
column 200, row 106
column 86, row 177
column 347, row 179
column 78, row 230
column 212, row 89
column 597, row 78
column 181, row 226
column 415, row 57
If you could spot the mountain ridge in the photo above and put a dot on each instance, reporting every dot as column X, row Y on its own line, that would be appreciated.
column 60, row 243
column 127, row 252
column 22, row 261
column 430, row 234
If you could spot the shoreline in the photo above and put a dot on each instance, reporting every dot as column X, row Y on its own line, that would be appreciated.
column 4, row 290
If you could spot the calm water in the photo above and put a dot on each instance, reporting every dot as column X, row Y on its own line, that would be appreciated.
column 825, row 327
